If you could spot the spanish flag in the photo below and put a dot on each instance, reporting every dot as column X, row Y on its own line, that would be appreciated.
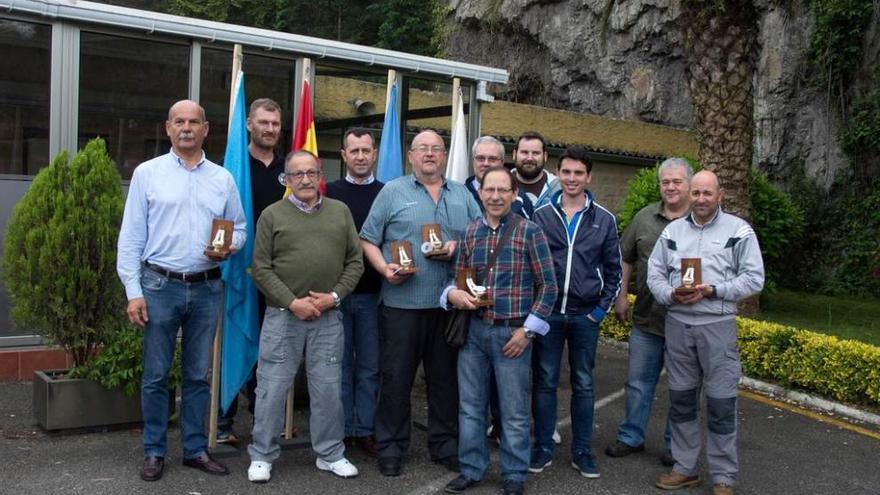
column 304, row 136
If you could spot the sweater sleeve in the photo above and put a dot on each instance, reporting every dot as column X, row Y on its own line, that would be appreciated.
column 275, row 290
column 749, row 277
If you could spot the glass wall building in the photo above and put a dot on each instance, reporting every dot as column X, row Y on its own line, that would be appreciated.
column 76, row 70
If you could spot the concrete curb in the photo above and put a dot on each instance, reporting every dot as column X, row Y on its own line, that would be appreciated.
column 811, row 401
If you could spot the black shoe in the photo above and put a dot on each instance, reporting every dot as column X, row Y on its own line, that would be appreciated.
column 450, row 462
column 390, row 466
column 205, row 463
column 620, row 449
column 153, row 466
column 460, row 484
column 666, row 459
column 511, row 487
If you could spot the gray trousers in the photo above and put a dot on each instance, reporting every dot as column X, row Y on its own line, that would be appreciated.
column 697, row 356
column 283, row 340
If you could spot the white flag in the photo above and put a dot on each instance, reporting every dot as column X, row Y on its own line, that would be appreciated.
column 457, row 168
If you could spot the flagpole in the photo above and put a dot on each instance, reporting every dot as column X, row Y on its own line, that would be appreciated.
column 456, row 88
column 218, row 335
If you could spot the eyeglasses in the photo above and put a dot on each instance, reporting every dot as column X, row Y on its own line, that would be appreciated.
column 299, row 176
column 433, row 149
column 490, row 159
column 491, row 191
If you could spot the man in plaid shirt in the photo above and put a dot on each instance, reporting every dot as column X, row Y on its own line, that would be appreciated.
column 522, row 288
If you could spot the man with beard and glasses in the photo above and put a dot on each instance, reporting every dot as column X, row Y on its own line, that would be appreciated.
column 264, row 127
column 172, row 285
column 307, row 258
column 360, row 366
column 529, row 158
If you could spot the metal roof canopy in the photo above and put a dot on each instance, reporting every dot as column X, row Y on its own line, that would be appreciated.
column 210, row 31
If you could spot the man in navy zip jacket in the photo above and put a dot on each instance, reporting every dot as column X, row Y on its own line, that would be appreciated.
column 586, row 258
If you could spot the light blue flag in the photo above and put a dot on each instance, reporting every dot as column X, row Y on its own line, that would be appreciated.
column 390, row 156
column 241, row 333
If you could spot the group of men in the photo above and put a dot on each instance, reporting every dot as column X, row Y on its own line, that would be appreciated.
column 339, row 290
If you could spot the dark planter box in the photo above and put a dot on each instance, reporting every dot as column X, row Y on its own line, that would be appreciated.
column 61, row 403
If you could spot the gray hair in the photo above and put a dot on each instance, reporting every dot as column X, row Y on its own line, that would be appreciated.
column 488, row 139
column 676, row 161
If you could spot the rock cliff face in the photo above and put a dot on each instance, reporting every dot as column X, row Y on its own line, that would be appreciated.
column 556, row 55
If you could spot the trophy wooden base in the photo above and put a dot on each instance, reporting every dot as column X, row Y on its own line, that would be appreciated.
column 482, row 303
column 216, row 254
column 685, row 291
column 437, row 253
column 406, row 271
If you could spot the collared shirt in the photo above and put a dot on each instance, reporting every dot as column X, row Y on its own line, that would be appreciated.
column 168, row 217
column 360, row 182
column 400, row 210
column 636, row 245
column 303, row 206
column 522, row 282
column 571, row 225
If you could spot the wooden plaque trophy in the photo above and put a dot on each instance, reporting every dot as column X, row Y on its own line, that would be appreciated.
column 221, row 239
column 402, row 255
column 691, row 276
column 432, row 241
column 465, row 280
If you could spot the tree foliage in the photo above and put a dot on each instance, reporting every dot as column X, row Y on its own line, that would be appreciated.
column 59, row 259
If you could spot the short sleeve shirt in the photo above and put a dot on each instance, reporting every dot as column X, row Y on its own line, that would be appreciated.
column 400, row 210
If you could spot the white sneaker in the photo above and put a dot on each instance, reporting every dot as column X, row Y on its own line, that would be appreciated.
column 259, row 471
column 341, row 468
column 557, row 438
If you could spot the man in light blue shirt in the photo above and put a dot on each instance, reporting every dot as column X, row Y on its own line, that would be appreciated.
column 410, row 322
column 171, row 284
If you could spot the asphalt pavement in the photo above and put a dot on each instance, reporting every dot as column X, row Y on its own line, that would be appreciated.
column 782, row 450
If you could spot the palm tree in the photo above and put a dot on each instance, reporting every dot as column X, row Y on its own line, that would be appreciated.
column 720, row 44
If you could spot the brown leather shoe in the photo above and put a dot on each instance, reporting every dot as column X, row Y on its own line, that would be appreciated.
column 722, row 489
column 368, row 444
column 153, row 466
column 205, row 463
column 673, row 481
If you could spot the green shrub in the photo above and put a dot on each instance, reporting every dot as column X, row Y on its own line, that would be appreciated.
column 775, row 217
column 59, row 260
column 845, row 370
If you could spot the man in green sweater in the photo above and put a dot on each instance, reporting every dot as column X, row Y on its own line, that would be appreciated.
column 307, row 257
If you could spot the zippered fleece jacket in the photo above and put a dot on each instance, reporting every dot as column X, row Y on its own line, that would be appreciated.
column 730, row 260
column 587, row 263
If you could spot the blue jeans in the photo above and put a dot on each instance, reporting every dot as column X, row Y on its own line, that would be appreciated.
column 360, row 363
column 479, row 356
column 645, row 364
column 582, row 336
column 194, row 308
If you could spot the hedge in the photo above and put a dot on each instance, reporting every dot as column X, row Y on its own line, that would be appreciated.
column 845, row 370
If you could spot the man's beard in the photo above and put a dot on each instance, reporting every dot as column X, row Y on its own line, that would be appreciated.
column 529, row 174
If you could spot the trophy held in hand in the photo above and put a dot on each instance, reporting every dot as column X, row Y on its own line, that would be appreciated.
column 465, row 280
column 432, row 241
column 402, row 256
column 691, row 276
column 221, row 239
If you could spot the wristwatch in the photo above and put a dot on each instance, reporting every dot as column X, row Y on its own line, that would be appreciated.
column 336, row 300
column 714, row 293
column 529, row 334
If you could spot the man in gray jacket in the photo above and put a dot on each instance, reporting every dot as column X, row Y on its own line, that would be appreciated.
column 701, row 329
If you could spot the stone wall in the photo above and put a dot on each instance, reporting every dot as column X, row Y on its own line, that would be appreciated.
column 558, row 57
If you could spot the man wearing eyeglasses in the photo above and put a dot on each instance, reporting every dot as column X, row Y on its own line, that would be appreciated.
column 488, row 152
column 522, row 288
column 410, row 322
column 307, row 258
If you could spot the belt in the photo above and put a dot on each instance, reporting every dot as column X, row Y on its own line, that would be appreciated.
column 212, row 274
column 511, row 322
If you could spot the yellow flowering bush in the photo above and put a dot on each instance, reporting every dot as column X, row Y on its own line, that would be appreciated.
column 846, row 370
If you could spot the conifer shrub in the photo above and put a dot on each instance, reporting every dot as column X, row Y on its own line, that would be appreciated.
column 59, row 262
